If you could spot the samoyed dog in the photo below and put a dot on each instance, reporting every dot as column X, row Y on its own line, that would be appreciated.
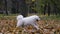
column 31, row 20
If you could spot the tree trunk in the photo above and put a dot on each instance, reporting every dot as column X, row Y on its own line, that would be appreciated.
column 17, row 6
column 13, row 6
column 49, row 9
column 55, row 9
column 6, row 7
column 23, row 8
column 45, row 9
column 9, row 6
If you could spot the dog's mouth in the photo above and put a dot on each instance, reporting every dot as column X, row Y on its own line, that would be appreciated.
column 37, row 20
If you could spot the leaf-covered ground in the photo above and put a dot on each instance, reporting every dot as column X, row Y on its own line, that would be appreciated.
column 48, row 25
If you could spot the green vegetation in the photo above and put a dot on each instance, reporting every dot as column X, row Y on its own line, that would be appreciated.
column 43, row 17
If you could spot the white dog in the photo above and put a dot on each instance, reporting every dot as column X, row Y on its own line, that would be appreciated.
column 31, row 20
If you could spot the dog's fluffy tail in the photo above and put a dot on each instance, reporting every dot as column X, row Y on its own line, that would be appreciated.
column 19, row 17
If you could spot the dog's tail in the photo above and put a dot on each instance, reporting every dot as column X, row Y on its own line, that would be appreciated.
column 19, row 17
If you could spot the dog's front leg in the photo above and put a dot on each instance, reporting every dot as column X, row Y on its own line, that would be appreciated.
column 36, row 26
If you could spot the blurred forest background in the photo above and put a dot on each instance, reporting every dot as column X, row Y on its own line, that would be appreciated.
column 25, row 7
column 48, row 10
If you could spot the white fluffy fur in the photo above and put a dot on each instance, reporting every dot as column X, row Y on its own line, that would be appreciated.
column 31, row 20
column 19, row 17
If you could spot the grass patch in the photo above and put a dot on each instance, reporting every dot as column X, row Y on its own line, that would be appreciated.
column 43, row 17
column 50, row 17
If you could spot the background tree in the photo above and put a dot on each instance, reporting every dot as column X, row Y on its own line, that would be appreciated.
column 23, row 8
column 49, row 9
column 13, row 6
column 6, row 12
column 45, row 7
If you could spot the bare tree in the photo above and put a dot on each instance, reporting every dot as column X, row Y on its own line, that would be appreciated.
column 49, row 9
column 23, row 8
column 45, row 7
column 13, row 6
column 6, row 12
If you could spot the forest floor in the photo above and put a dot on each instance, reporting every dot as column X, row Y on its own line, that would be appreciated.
column 47, row 25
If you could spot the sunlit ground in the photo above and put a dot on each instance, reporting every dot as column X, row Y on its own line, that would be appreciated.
column 47, row 25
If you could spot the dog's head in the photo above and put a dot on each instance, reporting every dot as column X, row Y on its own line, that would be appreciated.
column 37, row 18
